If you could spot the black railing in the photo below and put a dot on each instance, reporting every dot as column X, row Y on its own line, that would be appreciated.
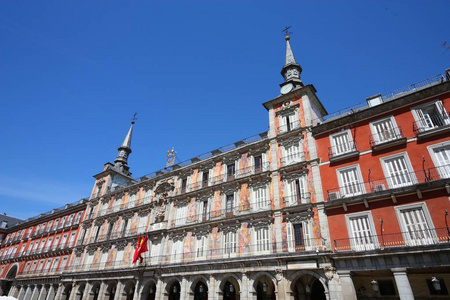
column 385, row 136
column 431, row 122
column 289, row 127
column 293, row 158
column 393, row 240
column 292, row 200
column 342, row 149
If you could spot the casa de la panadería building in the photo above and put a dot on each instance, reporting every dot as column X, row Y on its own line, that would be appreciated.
column 252, row 220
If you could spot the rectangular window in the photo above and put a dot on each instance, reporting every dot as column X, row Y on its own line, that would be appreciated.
column 258, row 163
column 205, row 178
column 183, row 185
column 430, row 116
column 55, row 224
column 441, row 159
column 260, row 198
column 398, row 171
column 361, row 232
column 384, row 131
column 204, row 209
column 229, row 205
column 350, row 181
column 231, row 171
column 229, row 242
column 292, row 154
column 262, row 239
column 296, row 191
column 155, row 251
column 288, row 122
column 63, row 241
column 55, row 264
column 201, row 247
column 181, row 215
column 342, row 143
column 177, row 251
column 433, row 291
column 415, row 223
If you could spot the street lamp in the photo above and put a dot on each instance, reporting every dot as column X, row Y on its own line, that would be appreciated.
column 264, row 288
column 231, row 288
column 308, row 289
column 175, row 289
column 375, row 286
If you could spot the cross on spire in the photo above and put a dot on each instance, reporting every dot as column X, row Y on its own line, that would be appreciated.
column 133, row 119
column 286, row 30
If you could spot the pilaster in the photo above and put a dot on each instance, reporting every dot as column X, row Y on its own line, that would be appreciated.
column 347, row 289
column 403, row 286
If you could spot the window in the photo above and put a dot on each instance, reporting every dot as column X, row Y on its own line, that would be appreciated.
column 204, row 211
column 183, row 185
column 205, row 178
column 55, row 264
column 70, row 220
column 55, row 244
column 441, row 158
column 296, row 191
column 288, row 122
column 63, row 241
column 30, row 230
column 361, row 231
column 181, row 215
column 201, row 245
column 27, row 267
column 260, row 197
column 398, row 171
column 231, row 171
column 384, row 130
column 229, row 242
column 132, row 200
column 258, row 163
column 342, row 143
column 229, row 205
column 430, row 116
column 262, row 239
column 416, row 225
column 299, row 236
column 155, row 251
column 55, row 224
column 292, row 153
column 177, row 251
column 41, row 246
column 350, row 181
column 433, row 291
column 47, row 265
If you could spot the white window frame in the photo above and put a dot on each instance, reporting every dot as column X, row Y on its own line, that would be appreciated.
column 423, row 237
column 294, row 156
column 306, row 235
column 262, row 246
column 443, row 170
column 348, row 147
column 345, row 189
column 230, row 243
column 303, row 186
column 201, row 247
column 181, row 215
column 262, row 203
column 177, row 251
column 422, row 123
column 376, row 135
column 292, row 118
column 362, row 242
column 389, row 176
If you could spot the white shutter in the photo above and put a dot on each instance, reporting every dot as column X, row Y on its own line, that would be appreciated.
column 303, row 189
column 384, row 131
column 291, row 193
column 442, row 156
column 155, row 252
column 307, row 235
column 351, row 184
column 417, row 229
column 263, row 162
column 282, row 123
column 398, row 172
column 442, row 113
column 341, row 143
column 290, row 237
column 362, row 238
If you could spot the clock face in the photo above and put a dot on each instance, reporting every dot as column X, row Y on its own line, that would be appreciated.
column 286, row 88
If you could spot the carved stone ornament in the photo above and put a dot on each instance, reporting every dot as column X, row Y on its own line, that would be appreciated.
column 148, row 186
column 298, row 218
column 100, row 183
column 105, row 248
column 205, row 196
column 78, row 251
column 261, row 181
column 292, row 140
column 263, row 222
column 329, row 272
column 279, row 274
column 206, row 166
column 230, row 228
column 177, row 236
column 160, row 213
column 230, row 159
column 121, row 245
column 113, row 220
column 258, row 151
column 91, row 250
column 133, row 190
column 104, row 200
column 230, row 188
column 93, row 202
column 165, row 187
column 294, row 175
column 201, row 231
column 180, row 203
column 288, row 109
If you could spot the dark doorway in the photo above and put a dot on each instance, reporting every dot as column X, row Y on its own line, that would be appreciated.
column 229, row 291
column 174, row 292
column 201, row 291
column 317, row 291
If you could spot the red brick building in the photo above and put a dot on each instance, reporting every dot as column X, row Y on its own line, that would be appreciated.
column 385, row 170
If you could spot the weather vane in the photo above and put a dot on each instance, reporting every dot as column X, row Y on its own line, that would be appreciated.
column 171, row 155
column 286, row 30
column 134, row 118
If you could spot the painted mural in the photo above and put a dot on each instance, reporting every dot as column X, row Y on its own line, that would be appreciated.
column 124, row 201
column 117, row 227
column 284, row 238
column 96, row 260
column 194, row 180
column 127, row 255
column 111, row 257
column 134, row 224
column 244, row 239
column 192, row 211
column 244, row 164
column 216, row 208
column 214, row 242
column 189, row 246
column 244, row 197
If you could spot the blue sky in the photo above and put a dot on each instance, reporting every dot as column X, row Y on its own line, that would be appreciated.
column 74, row 72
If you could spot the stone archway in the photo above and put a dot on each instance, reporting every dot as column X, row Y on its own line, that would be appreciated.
column 6, row 285
column 148, row 290
column 308, row 285
column 94, row 293
column 174, row 290
column 230, row 289
column 264, row 288
column 129, row 290
column 110, row 292
column 67, row 291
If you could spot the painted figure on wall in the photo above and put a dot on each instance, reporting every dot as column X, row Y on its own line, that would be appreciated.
column 111, row 257
column 134, row 224
column 214, row 242
column 194, row 180
column 117, row 226
column 284, row 239
column 127, row 255
column 216, row 210
column 244, row 197
column 244, row 164
column 124, row 201
column 188, row 246
column 192, row 210
column 244, row 239
column 96, row 260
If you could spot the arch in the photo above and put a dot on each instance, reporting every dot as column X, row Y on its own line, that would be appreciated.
column 67, row 291
column 169, row 283
column 230, row 287
column 12, row 272
column 302, row 281
column 227, row 276
column 148, row 289
column 111, row 288
column 80, row 291
column 199, row 288
column 264, row 285
column 129, row 289
column 258, row 275
column 94, row 293
column 197, row 279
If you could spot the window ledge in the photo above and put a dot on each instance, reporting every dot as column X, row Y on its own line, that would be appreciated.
column 344, row 156
column 388, row 144
column 433, row 132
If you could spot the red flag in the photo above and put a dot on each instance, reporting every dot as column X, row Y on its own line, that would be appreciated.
column 141, row 247
column 136, row 251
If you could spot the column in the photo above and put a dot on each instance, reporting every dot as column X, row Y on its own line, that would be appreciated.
column 87, row 290
column 213, row 288
column 401, row 280
column 137, row 290
column 35, row 294
column 43, row 293
column 51, row 293
column 119, row 291
column 159, row 290
column 346, row 290
column 12, row 291
column 27, row 295
column 59, row 291
column 246, row 288
column 102, row 290
column 21, row 292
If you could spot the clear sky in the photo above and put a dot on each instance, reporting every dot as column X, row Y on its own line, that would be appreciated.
column 72, row 73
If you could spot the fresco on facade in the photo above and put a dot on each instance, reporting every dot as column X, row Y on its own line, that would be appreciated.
column 217, row 172
column 315, row 225
column 117, row 226
column 188, row 246
column 214, row 242
column 139, row 196
column 244, row 164
column 271, row 195
column 244, row 197
column 134, row 224
column 281, row 190
column 104, row 230
column 310, row 184
column 244, row 239
column 279, row 155
column 110, row 204
column 194, row 180
column 111, row 257
column 127, row 255
column 124, row 201
column 284, row 238
column 192, row 211
column 96, row 260
column 216, row 209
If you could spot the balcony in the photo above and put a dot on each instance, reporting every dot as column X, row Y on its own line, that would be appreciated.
column 343, row 151
column 293, row 159
column 296, row 199
column 416, row 238
column 402, row 180
column 432, row 124
column 389, row 138
column 290, row 126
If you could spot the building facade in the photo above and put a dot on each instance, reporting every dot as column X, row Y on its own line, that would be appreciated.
column 291, row 213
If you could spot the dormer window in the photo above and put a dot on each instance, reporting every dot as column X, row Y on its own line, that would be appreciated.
column 3, row 224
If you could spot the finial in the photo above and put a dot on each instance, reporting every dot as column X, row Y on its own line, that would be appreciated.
column 134, row 118
column 286, row 32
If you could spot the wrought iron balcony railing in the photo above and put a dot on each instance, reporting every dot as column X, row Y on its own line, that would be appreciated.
column 293, row 158
column 289, row 127
column 403, row 179
column 292, row 200
column 388, row 135
column 415, row 238
column 342, row 149
column 430, row 122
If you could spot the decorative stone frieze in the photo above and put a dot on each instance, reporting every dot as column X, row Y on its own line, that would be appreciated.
column 294, row 175
column 287, row 109
column 298, row 218
column 261, row 222
column 294, row 139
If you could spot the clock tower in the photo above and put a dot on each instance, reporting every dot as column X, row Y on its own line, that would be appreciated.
column 291, row 71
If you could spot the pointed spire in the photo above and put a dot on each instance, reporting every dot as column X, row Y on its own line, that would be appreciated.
column 291, row 70
column 121, row 161
column 290, row 59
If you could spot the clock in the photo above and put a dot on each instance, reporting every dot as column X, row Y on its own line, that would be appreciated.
column 286, row 88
